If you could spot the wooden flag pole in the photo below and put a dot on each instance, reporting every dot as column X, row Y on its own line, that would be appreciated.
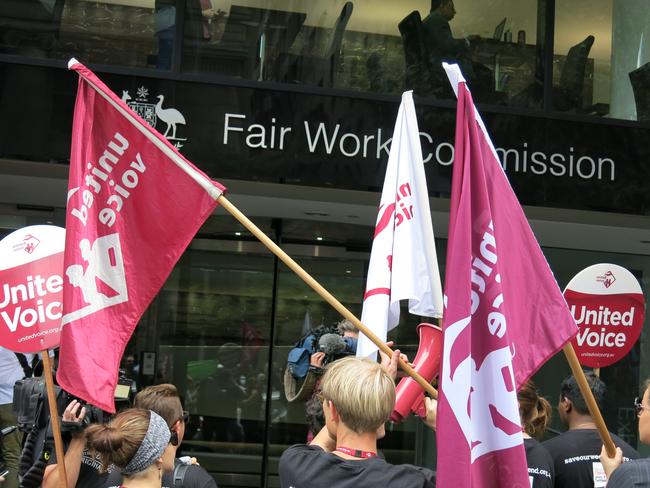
column 579, row 375
column 54, row 419
column 327, row 296
column 209, row 186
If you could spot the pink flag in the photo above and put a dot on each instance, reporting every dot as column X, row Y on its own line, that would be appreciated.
column 134, row 204
column 403, row 263
column 505, row 315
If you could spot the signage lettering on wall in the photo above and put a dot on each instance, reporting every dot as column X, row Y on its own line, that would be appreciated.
column 321, row 138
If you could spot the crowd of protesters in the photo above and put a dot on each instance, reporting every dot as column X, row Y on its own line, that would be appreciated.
column 352, row 401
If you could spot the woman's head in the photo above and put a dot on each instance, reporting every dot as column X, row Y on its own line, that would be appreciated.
column 362, row 392
column 534, row 410
column 134, row 441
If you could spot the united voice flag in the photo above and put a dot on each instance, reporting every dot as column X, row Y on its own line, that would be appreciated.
column 134, row 204
column 403, row 262
column 504, row 317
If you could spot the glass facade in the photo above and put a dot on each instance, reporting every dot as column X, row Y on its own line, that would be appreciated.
column 519, row 53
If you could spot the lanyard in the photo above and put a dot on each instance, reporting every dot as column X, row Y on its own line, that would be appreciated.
column 356, row 452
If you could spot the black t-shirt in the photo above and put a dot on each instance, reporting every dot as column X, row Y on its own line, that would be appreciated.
column 303, row 466
column 89, row 476
column 540, row 465
column 634, row 474
column 576, row 457
column 195, row 477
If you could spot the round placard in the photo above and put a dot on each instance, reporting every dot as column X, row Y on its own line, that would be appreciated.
column 608, row 306
column 31, row 293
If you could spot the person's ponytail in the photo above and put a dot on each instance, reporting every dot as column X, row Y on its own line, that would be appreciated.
column 534, row 410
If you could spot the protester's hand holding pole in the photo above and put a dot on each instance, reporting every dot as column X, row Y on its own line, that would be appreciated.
column 610, row 463
column 431, row 406
column 391, row 362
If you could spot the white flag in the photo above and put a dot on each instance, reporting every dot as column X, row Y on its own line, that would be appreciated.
column 403, row 262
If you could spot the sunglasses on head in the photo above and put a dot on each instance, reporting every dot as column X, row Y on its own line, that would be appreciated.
column 173, row 439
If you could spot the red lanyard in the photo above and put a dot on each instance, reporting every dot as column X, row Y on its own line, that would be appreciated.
column 356, row 452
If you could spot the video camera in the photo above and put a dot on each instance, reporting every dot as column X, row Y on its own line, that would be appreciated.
column 33, row 414
column 32, row 408
column 336, row 346
column 325, row 339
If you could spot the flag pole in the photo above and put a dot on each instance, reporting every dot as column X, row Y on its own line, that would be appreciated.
column 217, row 194
column 54, row 419
column 318, row 288
column 579, row 375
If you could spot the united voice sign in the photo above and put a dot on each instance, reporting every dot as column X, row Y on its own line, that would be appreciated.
column 31, row 306
column 608, row 306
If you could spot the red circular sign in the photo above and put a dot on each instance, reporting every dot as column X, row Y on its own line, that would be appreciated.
column 608, row 306
column 31, row 278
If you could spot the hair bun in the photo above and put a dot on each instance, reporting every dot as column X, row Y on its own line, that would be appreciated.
column 104, row 438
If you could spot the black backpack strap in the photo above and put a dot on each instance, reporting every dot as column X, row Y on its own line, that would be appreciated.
column 35, row 457
column 27, row 369
column 179, row 474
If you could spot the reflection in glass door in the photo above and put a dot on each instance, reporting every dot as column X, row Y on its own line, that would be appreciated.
column 214, row 316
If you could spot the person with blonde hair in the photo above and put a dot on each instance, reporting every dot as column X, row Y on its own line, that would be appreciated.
column 137, row 442
column 535, row 413
column 358, row 396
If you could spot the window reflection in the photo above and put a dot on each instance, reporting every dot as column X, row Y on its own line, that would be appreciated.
column 165, row 31
column 368, row 45
column 122, row 32
column 601, row 63
column 29, row 27
column 581, row 61
column 213, row 316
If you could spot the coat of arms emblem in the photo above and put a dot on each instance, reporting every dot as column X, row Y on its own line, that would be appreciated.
column 153, row 113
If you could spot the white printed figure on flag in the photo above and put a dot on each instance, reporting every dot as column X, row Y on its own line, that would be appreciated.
column 403, row 262
column 477, row 400
column 101, row 279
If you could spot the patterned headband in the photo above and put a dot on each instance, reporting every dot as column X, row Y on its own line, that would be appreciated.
column 152, row 446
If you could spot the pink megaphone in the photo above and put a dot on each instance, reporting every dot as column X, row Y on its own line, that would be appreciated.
column 409, row 395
